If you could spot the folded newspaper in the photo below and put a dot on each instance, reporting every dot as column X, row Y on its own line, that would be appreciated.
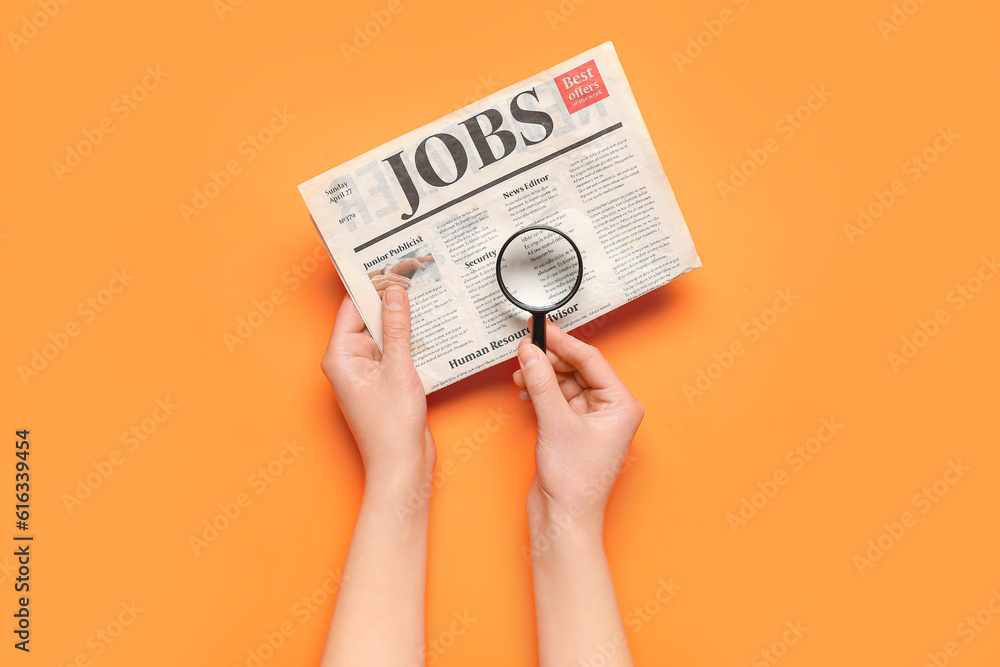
column 429, row 211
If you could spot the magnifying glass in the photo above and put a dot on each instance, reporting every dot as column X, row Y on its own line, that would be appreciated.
column 539, row 269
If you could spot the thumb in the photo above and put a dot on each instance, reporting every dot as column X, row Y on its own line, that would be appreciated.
column 396, row 327
column 541, row 383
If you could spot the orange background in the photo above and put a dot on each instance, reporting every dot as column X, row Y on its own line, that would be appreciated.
column 695, row 460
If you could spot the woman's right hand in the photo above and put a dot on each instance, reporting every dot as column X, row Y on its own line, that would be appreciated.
column 587, row 418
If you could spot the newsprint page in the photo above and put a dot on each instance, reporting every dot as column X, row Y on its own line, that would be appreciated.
column 430, row 210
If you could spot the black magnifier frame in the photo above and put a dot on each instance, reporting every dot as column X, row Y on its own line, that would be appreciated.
column 538, row 314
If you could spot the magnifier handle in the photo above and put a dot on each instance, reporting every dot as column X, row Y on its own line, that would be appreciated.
column 538, row 330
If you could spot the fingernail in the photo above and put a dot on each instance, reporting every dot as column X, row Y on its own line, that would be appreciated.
column 527, row 356
column 395, row 298
column 523, row 395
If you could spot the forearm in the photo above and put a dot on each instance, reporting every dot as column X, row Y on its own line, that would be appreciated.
column 378, row 618
column 575, row 604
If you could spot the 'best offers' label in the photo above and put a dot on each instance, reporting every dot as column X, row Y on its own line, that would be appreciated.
column 582, row 86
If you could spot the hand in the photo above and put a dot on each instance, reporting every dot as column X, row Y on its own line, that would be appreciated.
column 586, row 421
column 381, row 395
column 381, row 282
column 407, row 267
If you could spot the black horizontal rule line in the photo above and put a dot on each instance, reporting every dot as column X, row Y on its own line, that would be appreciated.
column 473, row 193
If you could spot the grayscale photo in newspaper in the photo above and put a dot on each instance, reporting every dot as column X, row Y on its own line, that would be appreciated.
column 566, row 148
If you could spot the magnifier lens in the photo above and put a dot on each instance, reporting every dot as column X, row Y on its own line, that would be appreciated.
column 539, row 268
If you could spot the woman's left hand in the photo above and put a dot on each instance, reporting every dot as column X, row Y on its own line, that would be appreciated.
column 381, row 394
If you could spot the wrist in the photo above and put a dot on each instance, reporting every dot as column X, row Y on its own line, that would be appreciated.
column 397, row 501
column 405, row 498
column 551, row 522
column 558, row 542
column 398, row 480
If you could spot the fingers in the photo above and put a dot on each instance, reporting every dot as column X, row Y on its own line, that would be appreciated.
column 558, row 363
column 348, row 320
column 519, row 381
column 426, row 259
column 587, row 359
column 570, row 382
column 396, row 328
column 347, row 324
column 541, row 383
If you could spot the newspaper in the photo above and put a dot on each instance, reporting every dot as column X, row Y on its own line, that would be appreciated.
column 567, row 148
